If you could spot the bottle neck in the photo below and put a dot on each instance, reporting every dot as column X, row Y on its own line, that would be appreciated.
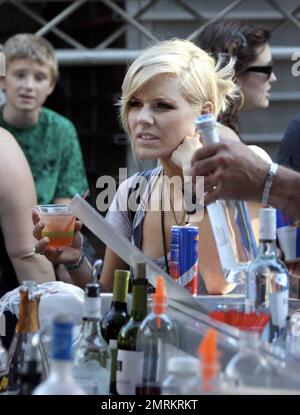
column 90, row 328
column 61, row 368
column 28, row 321
column 139, row 299
column 119, row 306
column 92, row 309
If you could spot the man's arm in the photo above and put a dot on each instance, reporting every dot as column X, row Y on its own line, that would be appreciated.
column 233, row 171
column 17, row 195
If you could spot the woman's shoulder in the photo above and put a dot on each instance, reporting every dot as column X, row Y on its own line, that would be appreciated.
column 9, row 146
column 227, row 133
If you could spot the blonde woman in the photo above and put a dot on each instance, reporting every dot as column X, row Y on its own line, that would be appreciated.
column 163, row 92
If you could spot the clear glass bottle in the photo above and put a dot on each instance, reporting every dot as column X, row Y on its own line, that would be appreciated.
column 130, row 361
column 249, row 367
column 115, row 318
column 92, row 355
column 27, row 326
column 183, row 372
column 267, row 283
column 157, row 339
column 61, row 379
column 230, row 220
column 3, row 369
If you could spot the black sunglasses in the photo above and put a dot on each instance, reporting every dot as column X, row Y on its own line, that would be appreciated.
column 267, row 69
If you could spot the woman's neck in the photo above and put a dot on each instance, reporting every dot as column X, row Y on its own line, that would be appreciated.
column 170, row 169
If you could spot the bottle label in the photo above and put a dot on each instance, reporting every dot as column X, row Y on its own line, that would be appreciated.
column 114, row 355
column 3, row 381
column 92, row 308
column 279, row 308
column 129, row 371
column 222, row 234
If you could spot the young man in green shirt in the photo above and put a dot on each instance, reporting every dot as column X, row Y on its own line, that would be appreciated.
column 48, row 139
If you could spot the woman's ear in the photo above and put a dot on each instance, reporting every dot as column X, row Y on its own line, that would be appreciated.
column 207, row 108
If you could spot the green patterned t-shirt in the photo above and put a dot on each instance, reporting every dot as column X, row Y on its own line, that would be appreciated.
column 53, row 151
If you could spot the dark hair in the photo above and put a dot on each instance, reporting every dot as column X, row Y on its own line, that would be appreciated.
column 233, row 38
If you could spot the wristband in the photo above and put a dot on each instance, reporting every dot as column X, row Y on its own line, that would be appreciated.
column 74, row 267
column 268, row 183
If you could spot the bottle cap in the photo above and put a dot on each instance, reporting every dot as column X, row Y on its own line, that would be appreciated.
column 92, row 290
column 139, row 270
column 207, row 350
column 205, row 121
column 121, row 280
column 183, row 364
column 267, row 224
column 209, row 356
column 159, row 297
column 62, row 338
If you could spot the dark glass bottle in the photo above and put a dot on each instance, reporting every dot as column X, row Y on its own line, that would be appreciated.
column 114, row 320
column 30, row 373
column 130, row 361
column 27, row 326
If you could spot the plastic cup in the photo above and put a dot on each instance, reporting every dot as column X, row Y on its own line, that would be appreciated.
column 59, row 224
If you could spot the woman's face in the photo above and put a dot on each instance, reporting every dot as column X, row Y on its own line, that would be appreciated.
column 256, row 85
column 159, row 117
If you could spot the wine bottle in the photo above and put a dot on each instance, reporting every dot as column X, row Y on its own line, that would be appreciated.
column 114, row 320
column 27, row 326
column 130, row 361
column 30, row 372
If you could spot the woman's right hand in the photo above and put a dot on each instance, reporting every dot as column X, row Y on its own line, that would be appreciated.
column 62, row 255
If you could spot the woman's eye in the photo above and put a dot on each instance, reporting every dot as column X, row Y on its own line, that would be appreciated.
column 163, row 105
column 134, row 103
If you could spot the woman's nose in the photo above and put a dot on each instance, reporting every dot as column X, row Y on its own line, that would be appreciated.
column 145, row 116
column 273, row 77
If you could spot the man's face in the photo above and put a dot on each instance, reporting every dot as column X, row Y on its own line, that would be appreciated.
column 27, row 84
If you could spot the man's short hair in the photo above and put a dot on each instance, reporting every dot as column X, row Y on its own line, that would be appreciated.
column 31, row 47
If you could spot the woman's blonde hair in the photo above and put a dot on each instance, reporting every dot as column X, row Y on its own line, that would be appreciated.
column 202, row 79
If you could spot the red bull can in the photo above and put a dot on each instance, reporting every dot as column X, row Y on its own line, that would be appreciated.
column 183, row 265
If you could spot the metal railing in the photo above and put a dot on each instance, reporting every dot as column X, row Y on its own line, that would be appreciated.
column 80, row 54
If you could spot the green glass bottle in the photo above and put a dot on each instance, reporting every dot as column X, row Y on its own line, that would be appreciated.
column 130, row 361
column 114, row 320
